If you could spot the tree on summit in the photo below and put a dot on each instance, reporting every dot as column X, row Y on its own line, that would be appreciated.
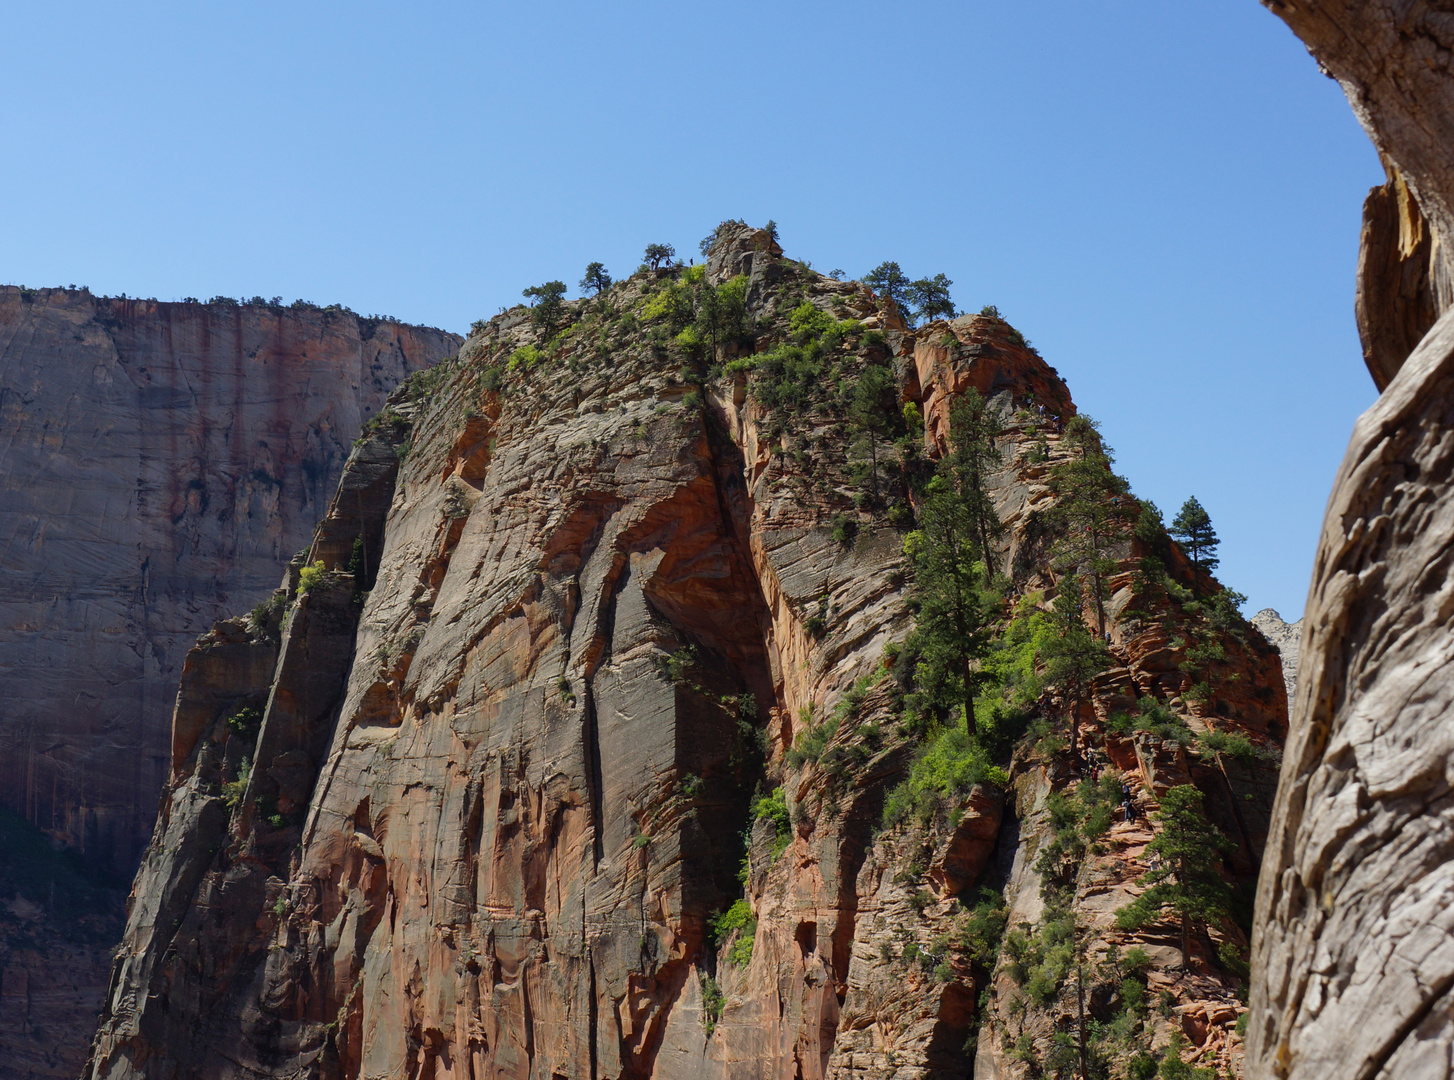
column 1192, row 529
column 930, row 297
column 890, row 282
column 546, row 307
column 656, row 254
column 596, row 279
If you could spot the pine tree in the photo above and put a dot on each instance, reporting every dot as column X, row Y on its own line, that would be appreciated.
column 973, row 455
column 956, row 602
column 1093, row 513
column 547, row 306
column 656, row 254
column 1073, row 656
column 930, row 297
column 596, row 279
column 1188, row 879
column 891, row 283
column 874, row 412
column 1192, row 529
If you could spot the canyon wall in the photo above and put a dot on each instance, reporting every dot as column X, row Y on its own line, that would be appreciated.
column 581, row 769
column 161, row 462
column 1353, row 962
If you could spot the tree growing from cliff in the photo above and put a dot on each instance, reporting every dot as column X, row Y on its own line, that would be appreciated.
column 874, row 412
column 596, row 280
column 547, row 307
column 956, row 602
column 974, row 454
column 1093, row 513
column 1072, row 655
column 1188, row 879
column 656, row 254
column 891, row 283
column 1192, row 529
column 930, row 297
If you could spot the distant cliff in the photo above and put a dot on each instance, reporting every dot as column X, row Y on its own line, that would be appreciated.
column 158, row 463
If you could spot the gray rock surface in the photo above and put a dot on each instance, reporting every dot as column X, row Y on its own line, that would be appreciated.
column 1288, row 638
column 1353, row 952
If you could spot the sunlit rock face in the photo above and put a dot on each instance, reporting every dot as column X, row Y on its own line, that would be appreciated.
column 579, row 608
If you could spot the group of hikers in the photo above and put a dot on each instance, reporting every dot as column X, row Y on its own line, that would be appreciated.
column 1054, row 419
column 1090, row 766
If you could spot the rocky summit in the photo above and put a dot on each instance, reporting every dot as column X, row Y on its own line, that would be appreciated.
column 719, row 676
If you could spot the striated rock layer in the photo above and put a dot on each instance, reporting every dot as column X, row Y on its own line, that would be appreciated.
column 1353, row 964
column 161, row 462
column 573, row 614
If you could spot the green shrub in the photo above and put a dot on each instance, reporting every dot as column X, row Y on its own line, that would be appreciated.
column 525, row 357
column 712, row 1001
column 811, row 739
column 1232, row 744
column 979, row 934
column 245, row 721
column 737, row 920
column 845, row 529
column 1157, row 719
column 234, row 790
column 949, row 764
column 1135, row 960
column 309, row 576
column 774, row 808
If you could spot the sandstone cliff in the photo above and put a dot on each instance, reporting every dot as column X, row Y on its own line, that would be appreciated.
column 571, row 758
column 161, row 461
column 1353, row 966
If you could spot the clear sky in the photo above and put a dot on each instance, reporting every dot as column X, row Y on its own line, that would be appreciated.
column 1164, row 197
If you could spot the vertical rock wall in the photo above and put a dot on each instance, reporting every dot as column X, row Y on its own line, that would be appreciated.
column 161, row 461
column 1353, row 962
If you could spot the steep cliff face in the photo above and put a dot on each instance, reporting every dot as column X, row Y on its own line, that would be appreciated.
column 161, row 462
column 576, row 766
column 1354, row 952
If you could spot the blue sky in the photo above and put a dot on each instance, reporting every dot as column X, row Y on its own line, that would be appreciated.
column 1164, row 197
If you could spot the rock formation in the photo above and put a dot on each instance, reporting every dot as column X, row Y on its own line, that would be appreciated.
column 565, row 750
column 1287, row 637
column 1354, row 949
column 161, row 461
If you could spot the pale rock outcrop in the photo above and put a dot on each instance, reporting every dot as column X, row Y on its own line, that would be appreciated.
column 1287, row 637
column 1353, row 964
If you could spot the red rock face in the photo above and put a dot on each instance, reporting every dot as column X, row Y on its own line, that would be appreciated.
column 495, row 803
column 161, row 462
